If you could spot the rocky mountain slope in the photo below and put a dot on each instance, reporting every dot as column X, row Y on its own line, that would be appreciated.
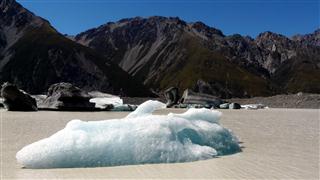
column 34, row 55
column 158, row 51
column 309, row 39
column 165, row 52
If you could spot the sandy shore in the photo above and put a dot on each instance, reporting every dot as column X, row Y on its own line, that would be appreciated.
column 277, row 143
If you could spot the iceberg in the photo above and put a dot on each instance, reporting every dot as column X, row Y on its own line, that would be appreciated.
column 103, row 102
column 138, row 138
column 110, row 102
column 254, row 106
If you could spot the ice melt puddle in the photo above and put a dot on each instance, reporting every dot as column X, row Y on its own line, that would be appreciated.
column 138, row 138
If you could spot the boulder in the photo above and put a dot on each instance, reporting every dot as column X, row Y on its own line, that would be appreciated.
column 206, row 100
column 172, row 96
column 65, row 96
column 15, row 99
column 234, row 106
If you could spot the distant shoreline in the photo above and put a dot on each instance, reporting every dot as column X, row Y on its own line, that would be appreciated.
column 296, row 101
column 292, row 101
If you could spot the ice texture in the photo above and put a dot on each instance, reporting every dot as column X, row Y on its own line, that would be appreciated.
column 138, row 138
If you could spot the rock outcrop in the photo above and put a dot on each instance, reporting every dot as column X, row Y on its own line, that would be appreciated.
column 234, row 106
column 312, row 39
column 172, row 96
column 16, row 99
column 206, row 100
column 65, row 96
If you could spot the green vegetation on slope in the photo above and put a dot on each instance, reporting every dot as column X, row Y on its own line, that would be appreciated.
column 201, row 63
column 301, row 74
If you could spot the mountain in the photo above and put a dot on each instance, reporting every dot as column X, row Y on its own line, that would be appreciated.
column 309, row 39
column 34, row 55
column 164, row 52
column 158, row 51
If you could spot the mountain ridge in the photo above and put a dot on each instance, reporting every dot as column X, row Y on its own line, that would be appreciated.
column 158, row 51
column 34, row 56
column 145, row 46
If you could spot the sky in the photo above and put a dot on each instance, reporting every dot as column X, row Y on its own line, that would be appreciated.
column 245, row 17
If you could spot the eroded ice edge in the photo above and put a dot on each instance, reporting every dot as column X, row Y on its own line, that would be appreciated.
column 136, row 139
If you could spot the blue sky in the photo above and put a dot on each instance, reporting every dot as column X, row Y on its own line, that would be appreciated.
column 246, row 17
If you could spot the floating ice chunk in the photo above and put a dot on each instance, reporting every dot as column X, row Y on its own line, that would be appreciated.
column 103, row 102
column 254, row 106
column 136, row 139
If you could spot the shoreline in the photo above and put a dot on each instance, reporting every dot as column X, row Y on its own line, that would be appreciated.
column 284, row 101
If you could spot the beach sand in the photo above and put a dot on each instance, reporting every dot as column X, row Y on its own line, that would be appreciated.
column 277, row 143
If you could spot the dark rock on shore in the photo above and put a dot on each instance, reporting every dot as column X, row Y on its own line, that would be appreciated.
column 190, row 97
column 234, row 106
column 172, row 96
column 65, row 96
column 16, row 99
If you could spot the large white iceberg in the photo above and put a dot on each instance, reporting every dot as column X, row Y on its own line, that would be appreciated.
column 136, row 139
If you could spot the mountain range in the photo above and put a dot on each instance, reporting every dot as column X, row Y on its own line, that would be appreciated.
column 33, row 55
column 137, row 55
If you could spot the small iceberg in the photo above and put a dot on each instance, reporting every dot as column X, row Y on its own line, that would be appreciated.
column 139, row 138
column 254, row 106
column 109, row 102
column 103, row 102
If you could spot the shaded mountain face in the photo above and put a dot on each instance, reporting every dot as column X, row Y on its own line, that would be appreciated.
column 164, row 52
column 34, row 55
